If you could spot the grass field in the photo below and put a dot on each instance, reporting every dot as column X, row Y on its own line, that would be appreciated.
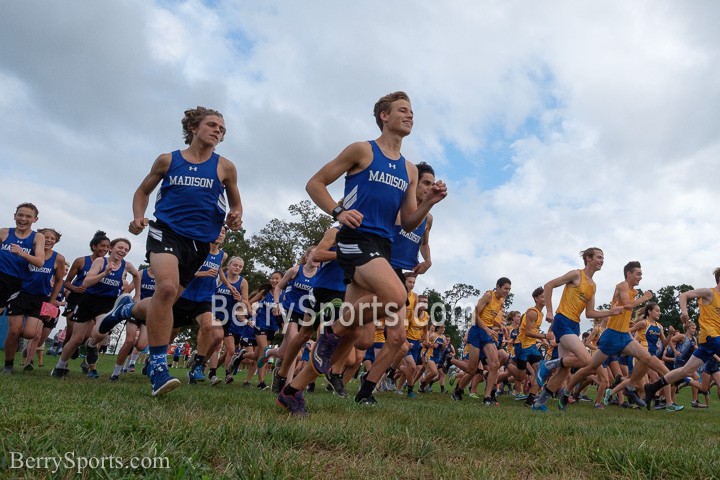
column 234, row 432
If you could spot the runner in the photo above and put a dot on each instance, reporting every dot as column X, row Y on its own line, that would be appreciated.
column 189, row 212
column 379, row 184
column 578, row 296
column 40, row 286
column 19, row 247
column 103, row 285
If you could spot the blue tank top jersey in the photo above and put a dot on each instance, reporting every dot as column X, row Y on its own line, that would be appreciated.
column 11, row 264
column 406, row 246
column 264, row 319
column 110, row 286
column 330, row 276
column 201, row 289
column 82, row 273
column 191, row 199
column 147, row 285
column 652, row 335
column 377, row 192
column 38, row 280
column 298, row 287
column 223, row 300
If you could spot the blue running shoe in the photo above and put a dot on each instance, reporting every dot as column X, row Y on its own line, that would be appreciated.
column 196, row 375
column 93, row 374
column 541, row 374
column 162, row 381
column 539, row 408
column 120, row 311
column 295, row 404
column 322, row 352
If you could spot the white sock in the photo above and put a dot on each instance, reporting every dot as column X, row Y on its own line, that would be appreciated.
column 117, row 370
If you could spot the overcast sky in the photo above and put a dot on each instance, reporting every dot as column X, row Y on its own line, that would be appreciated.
column 557, row 125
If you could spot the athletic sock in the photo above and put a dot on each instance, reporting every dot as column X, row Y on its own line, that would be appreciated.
column 117, row 370
column 158, row 355
column 212, row 372
column 91, row 342
column 199, row 360
column 366, row 389
column 133, row 358
column 61, row 364
column 410, row 388
column 289, row 390
column 9, row 363
column 391, row 373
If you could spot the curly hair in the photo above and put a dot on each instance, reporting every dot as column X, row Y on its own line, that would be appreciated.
column 192, row 119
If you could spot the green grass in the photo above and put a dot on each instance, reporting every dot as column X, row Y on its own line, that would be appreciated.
column 235, row 432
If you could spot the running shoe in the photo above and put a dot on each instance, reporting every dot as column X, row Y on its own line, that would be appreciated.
column 607, row 396
column 93, row 374
column 399, row 392
column 84, row 367
column 59, row 372
column 411, row 394
column 336, row 383
column 369, row 401
column 649, row 394
column 278, row 382
column 262, row 386
column 457, row 395
column 599, row 406
column 196, row 375
column 660, row 405
column 236, row 359
column 263, row 358
column 542, row 374
column 229, row 379
column 584, row 398
column 246, row 384
column 491, row 402
column 121, row 311
column 114, row 378
column 695, row 404
column 673, row 407
column 295, row 404
column 8, row 370
column 684, row 383
column 322, row 352
column 161, row 380
column 563, row 398
column 473, row 395
column 519, row 397
column 616, row 381
column 539, row 408
column 28, row 367
column 214, row 380
column 91, row 354
column 144, row 370
column 634, row 398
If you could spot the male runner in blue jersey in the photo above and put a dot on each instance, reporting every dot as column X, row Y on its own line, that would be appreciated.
column 189, row 213
column 379, row 185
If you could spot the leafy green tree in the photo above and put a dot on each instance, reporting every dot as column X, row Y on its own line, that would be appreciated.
column 667, row 299
column 237, row 245
column 281, row 243
column 438, row 308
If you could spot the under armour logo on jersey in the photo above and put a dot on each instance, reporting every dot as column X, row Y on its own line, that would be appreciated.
column 168, row 249
column 392, row 165
column 375, row 254
column 193, row 169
